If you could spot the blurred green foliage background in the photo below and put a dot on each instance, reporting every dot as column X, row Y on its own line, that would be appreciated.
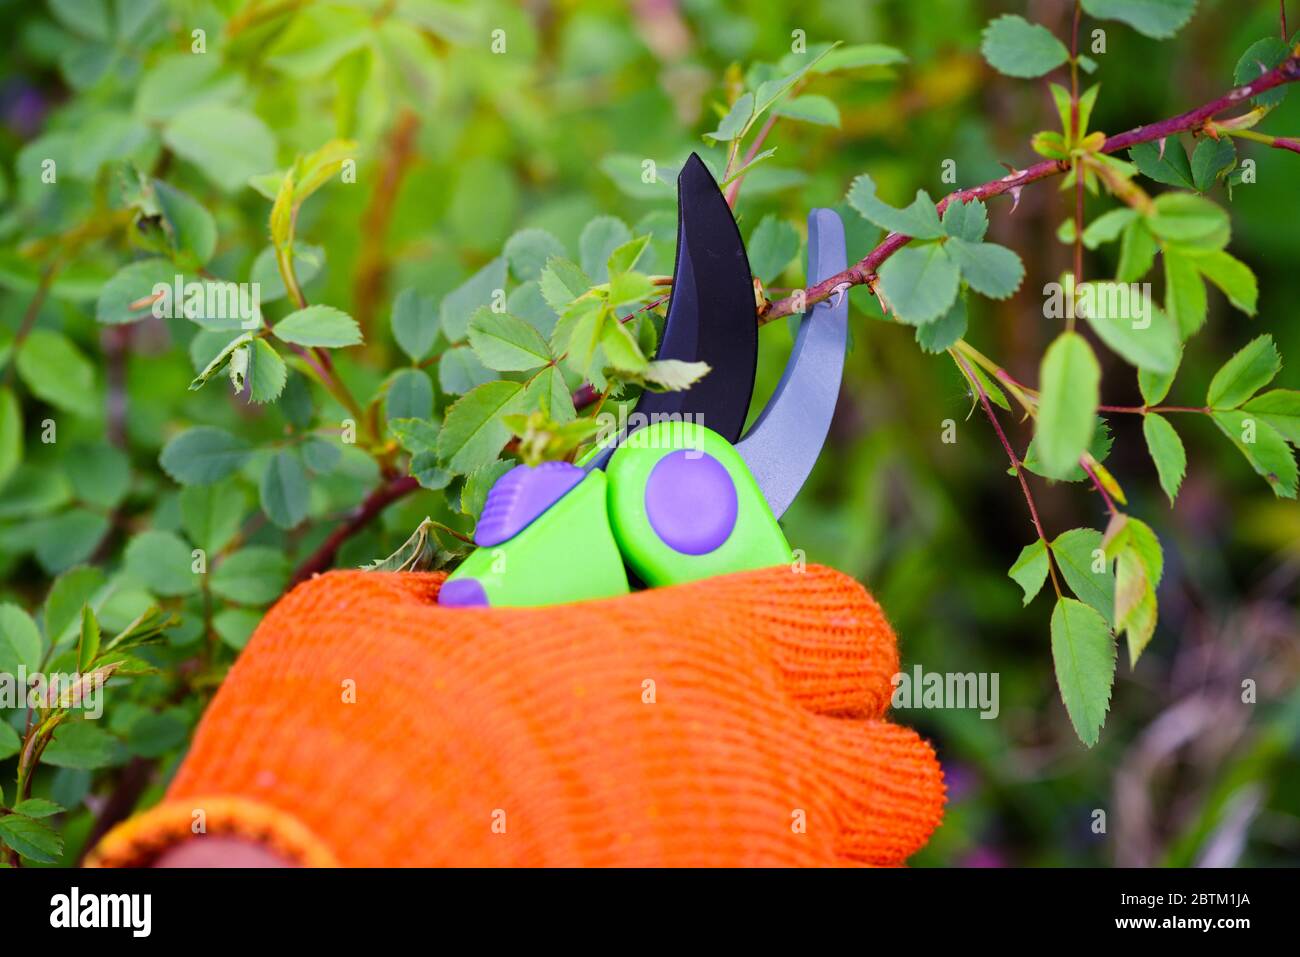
column 470, row 146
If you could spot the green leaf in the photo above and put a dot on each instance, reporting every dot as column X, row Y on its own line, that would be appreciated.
column 473, row 433
column 1252, row 368
column 857, row 56
column 415, row 435
column 1015, row 47
column 415, row 323
column 1098, row 448
column 20, row 641
column 322, row 326
column 161, row 562
column 212, row 515
column 1233, row 277
column 221, row 360
column 968, row 220
column 1171, row 167
column 920, row 283
column 1137, row 252
column 67, row 539
column 1067, row 407
column 320, row 455
column 283, row 490
column 621, row 349
column 81, row 745
column 623, row 259
column 991, row 270
column 562, row 282
column 1167, row 452
column 673, row 375
column 236, row 625
column 1139, row 332
column 460, row 370
column 37, row 808
column 1084, row 654
column 1155, row 385
column 10, row 744
column 11, row 434
column 1030, row 569
column 1260, row 57
column 810, row 108
column 1186, row 217
column 506, row 343
column 100, row 474
column 409, row 395
column 190, row 228
column 1079, row 554
column 599, row 239
column 941, row 335
column 920, row 220
column 1280, row 408
column 1139, row 565
column 181, row 80
column 1264, row 448
column 34, row 840
column 56, row 371
column 154, row 735
column 478, row 483
column 772, row 245
column 227, row 144
column 70, row 591
column 252, row 576
column 267, row 373
column 736, row 120
column 549, row 393
column 1212, row 159
column 88, row 644
column 1154, row 18
column 478, row 290
column 528, row 251
column 1107, row 227
column 133, row 285
column 203, row 455
column 427, row 471
column 1184, row 292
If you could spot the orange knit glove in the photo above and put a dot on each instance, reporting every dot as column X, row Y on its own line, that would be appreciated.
column 734, row 721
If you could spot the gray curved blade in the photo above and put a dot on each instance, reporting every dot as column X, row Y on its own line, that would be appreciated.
column 784, row 443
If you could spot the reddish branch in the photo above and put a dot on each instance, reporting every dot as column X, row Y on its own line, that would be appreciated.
column 864, row 271
column 378, row 500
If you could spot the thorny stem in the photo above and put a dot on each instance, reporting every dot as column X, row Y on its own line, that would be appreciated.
column 1015, row 460
column 864, row 271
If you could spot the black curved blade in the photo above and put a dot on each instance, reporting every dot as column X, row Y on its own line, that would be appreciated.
column 782, row 447
column 711, row 315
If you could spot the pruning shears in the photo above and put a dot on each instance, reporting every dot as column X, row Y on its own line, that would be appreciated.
column 682, row 496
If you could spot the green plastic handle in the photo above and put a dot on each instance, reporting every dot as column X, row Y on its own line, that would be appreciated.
column 676, row 503
column 706, row 546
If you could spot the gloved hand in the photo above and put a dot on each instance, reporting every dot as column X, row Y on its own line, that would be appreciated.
column 733, row 721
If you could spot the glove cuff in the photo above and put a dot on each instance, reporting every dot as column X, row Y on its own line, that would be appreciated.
column 143, row 839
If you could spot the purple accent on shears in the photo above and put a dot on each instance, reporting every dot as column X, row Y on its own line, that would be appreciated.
column 463, row 593
column 520, row 496
column 691, row 502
